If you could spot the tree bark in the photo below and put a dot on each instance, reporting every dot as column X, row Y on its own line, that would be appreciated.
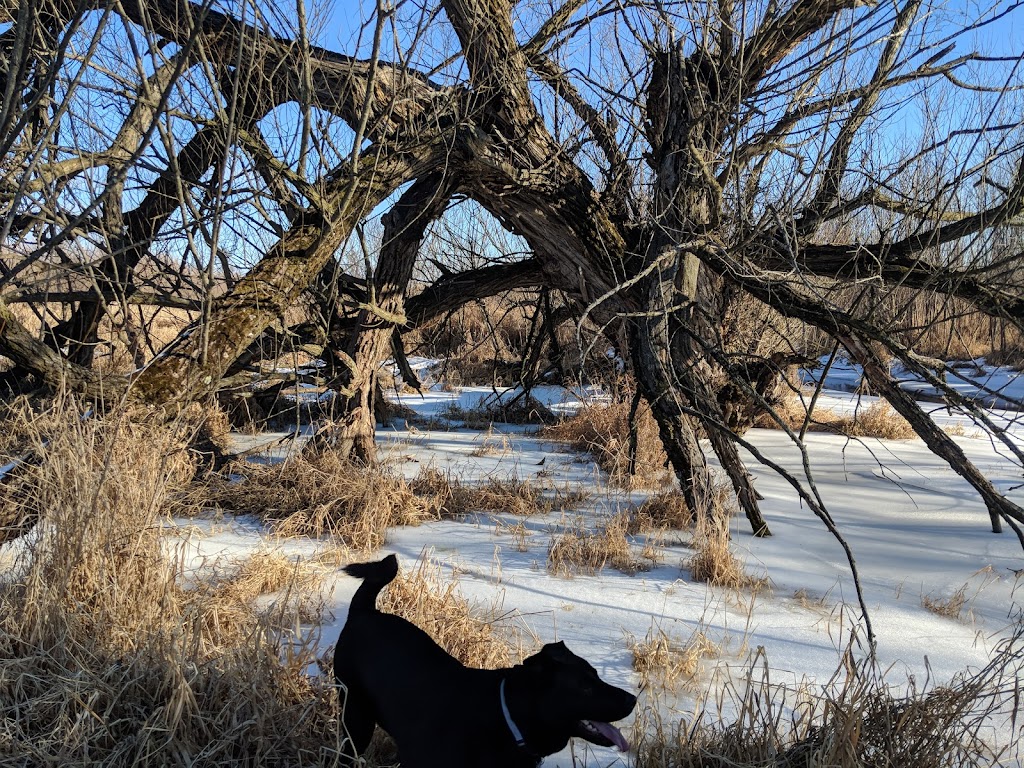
column 882, row 382
column 352, row 434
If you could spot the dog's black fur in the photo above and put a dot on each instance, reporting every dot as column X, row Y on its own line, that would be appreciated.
column 441, row 713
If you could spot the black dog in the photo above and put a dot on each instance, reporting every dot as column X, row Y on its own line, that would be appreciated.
column 441, row 713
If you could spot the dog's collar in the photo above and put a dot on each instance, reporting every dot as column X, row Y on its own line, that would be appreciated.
column 512, row 727
column 516, row 733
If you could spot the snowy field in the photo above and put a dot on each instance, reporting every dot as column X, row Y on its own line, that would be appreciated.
column 918, row 533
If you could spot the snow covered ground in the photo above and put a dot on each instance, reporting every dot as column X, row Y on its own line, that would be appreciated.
column 917, row 532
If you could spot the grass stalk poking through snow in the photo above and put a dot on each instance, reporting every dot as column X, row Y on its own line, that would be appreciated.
column 859, row 719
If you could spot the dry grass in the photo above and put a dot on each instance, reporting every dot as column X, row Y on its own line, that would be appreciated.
column 951, row 607
column 111, row 655
column 859, row 719
column 713, row 561
column 878, row 419
column 63, row 444
column 477, row 636
column 606, row 433
column 660, row 660
column 322, row 496
column 666, row 510
column 506, row 496
column 579, row 550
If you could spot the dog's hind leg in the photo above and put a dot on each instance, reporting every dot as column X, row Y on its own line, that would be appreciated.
column 358, row 718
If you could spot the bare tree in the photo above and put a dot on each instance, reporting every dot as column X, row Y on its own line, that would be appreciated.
column 662, row 162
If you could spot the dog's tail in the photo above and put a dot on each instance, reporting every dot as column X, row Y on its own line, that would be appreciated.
column 375, row 577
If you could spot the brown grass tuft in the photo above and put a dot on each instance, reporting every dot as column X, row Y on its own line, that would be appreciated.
column 713, row 560
column 112, row 654
column 858, row 719
column 605, row 432
column 666, row 510
column 660, row 659
column 579, row 550
column 507, row 496
column 951, row 607
column 323, row 495
column 878, row 419
column 478, row 637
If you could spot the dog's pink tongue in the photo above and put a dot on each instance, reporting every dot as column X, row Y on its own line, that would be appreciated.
column 613, row 734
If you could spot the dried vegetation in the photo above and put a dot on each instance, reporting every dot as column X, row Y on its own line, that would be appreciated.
column 510, row 495
column 661, row 660
column 858, row 720
column 610, row 436
column 580, row 550
column 113, row 652
column 878, row 419
column 713, row 560
column 323, row 496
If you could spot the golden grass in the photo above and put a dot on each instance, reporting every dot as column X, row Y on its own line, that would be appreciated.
column 323, row 495
column 666, row 510
column 112, row 653
column 950, row 607
column 661, row 660
column 579, row 550
column 507, row 496
column 605, row 431
column 857, row 719
column 478, row 636
column 878, row 419
column 713, row 560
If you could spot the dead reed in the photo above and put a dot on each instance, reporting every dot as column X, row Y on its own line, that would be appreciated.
column 580, row 550
column 878, row 419
column 111, row 653
column 511, row 495
column 666, row 510
column 608, row 434
column 951, row 607
column 662, row 660
column 713, row 560
column 859, row 719
column 323, row 496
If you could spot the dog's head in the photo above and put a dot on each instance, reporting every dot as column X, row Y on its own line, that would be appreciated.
column 568, row 699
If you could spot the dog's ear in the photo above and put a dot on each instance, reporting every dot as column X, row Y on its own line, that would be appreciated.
column 551, row 653
column 557, row 651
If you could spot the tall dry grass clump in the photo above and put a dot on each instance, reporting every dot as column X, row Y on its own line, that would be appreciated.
column 478, row 636
column 579, row 550
column 662, row 660
column 511, row 495
column 878, row 419
column 323, row 495
column 110, row 653
column 662, row 511
column 859, row 719
column 713, row 560
column 607, row 433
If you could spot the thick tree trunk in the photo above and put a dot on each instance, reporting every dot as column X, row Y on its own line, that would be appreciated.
column 684, row 139
column 193, row 366
column 352, row 434
column 651, row 366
